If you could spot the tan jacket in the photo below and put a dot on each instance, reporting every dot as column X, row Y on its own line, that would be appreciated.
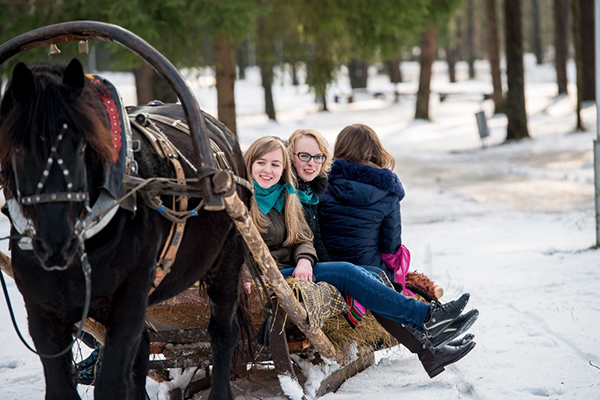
column 285, row 257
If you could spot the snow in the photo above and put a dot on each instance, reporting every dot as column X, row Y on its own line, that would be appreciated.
column 511, row 224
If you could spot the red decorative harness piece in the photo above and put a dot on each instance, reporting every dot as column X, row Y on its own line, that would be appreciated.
column 113, row 116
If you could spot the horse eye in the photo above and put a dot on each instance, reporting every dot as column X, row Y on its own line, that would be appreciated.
column 82, row 150
column 19, row 151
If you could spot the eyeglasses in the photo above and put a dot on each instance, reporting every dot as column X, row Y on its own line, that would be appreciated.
column 306, row 158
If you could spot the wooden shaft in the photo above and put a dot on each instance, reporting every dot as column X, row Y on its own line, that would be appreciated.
column 5, row 265
column 96, row 329
column 238, row 212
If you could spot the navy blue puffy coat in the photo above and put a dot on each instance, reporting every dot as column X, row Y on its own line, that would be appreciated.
column 359, row 214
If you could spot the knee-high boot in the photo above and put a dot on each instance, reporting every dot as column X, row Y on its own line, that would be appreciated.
column 433, row 359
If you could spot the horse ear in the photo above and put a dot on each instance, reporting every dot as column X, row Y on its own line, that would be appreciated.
column 74, row 76
column 22, row 82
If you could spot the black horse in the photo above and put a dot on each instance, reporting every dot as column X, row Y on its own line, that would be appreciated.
column 55, row 150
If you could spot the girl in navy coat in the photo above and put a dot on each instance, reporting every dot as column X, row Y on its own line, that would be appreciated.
column 360, row 211
column 359, row 214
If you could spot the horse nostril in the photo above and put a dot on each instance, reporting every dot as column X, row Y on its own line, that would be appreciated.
column 69, row 249
column 41, row 249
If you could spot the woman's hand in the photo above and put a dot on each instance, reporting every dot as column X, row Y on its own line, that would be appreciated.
column 303, row 270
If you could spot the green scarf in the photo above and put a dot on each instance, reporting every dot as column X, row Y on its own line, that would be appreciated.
column 308, row 196
column 273, row 197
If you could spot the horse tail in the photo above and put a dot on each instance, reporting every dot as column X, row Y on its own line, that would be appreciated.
column 245, row 350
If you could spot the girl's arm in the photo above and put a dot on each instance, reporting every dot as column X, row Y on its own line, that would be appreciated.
column 305, row 256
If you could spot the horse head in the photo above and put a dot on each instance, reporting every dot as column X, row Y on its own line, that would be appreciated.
column 53, row 141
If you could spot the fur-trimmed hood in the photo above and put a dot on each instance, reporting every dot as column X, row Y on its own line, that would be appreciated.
column 356, row 183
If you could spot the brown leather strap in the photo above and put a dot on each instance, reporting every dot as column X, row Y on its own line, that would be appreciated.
column 171, row 247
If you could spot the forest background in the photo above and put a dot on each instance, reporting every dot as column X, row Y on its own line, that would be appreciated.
column 316, row 40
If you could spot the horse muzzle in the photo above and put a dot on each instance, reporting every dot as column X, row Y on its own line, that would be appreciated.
column 55, row 257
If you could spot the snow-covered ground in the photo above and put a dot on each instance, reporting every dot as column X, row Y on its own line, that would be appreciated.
column 511, row 224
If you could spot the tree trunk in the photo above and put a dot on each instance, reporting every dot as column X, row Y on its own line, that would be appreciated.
column 266, row 75
column 163, row 91
column 588, row 63
column 242, row 59
column 451, row 61
column 578, row 68
column 428, row 40
column 515, row 97
column 536, row 33
column 460, row 39
column 358, row 73
column 265, row 62
column 225, row 71
column 471, row 37
column 324, row 101
column 294, row 73
column 561, row 14
column 394, row 70
column 144, row 83
column 494, row 55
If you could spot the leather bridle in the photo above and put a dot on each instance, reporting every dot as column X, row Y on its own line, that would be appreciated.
column 52, row 197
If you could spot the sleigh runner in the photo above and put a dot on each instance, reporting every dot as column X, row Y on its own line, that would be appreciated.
column 179, row 327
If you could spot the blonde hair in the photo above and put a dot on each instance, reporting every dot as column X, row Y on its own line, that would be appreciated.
column 321, row 142
column 297, row 229
column 358, row 143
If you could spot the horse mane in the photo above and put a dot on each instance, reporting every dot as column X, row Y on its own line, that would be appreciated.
column 22, row 124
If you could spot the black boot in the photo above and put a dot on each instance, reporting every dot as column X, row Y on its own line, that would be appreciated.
column 463, row 340
column 433, row 360
column 456, row 328
column 440, row 316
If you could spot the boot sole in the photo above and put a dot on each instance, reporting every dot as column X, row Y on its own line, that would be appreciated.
column 441, row 368
column 459, row 331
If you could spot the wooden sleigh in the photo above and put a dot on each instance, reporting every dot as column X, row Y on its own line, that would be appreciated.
column 178, row 327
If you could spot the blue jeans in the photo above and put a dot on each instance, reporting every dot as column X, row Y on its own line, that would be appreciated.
column 362, row 285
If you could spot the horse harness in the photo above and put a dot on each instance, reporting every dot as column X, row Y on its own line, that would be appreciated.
column 178, row 215
column 105, row 207
column 122, row 182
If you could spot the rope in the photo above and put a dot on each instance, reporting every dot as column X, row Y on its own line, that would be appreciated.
column 87, row 273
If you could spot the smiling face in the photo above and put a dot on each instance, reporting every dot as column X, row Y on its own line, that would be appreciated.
column 307, row 170
column 268, row 168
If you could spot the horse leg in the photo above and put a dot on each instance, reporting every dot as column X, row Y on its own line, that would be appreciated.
column 51, row 337
column 140, row 367
column 124, row 333
column 223, row 328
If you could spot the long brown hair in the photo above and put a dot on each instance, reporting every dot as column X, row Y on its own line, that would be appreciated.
column 358, row 143
column 321, row 141
column 297, row 229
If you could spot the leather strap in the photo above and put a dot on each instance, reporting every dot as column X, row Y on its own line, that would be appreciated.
column 171, row 247
column 169, row 252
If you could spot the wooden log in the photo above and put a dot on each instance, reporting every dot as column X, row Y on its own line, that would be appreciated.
column 96, row 329
column 5, row 265
column 335, row 380
column 238, row 212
